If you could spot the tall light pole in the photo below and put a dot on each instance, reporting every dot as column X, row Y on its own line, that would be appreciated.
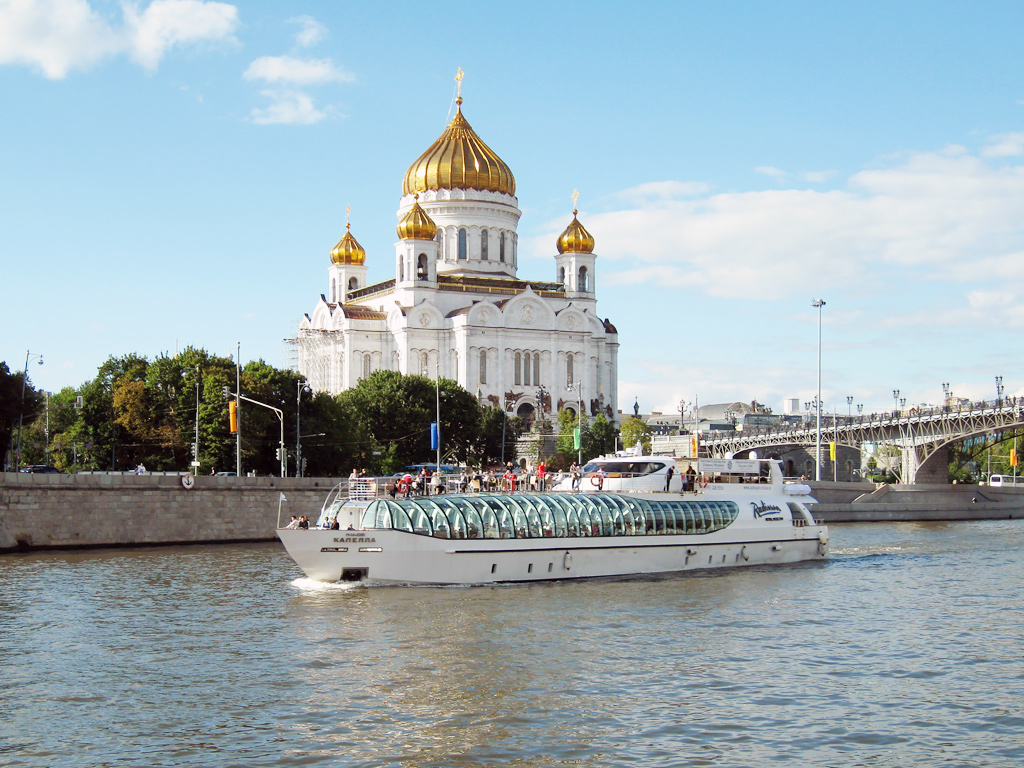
column 818, row 303
column 301, row 386
column 999, row 391
column 896, row 401
column 238, row 410
column 195, row 456
column 24, row 378
column 849, row 408
column 578, row 386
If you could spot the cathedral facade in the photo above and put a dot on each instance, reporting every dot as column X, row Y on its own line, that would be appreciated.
column 456, row 307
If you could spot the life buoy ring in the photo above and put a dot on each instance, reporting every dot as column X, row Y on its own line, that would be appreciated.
column 596, row 481
column 703, row 482
column 402, row 486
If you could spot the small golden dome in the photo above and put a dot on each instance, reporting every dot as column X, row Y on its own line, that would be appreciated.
column 416, row 224
column 348, row 251
column 459, row 160
column 575, row 238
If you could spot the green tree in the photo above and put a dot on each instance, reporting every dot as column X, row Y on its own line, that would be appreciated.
column 13, row 411
column 600, row 438
column 392, row 413
column 494, row 423
column 634, row 430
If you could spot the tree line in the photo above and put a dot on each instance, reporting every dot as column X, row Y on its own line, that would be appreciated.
column 141, row 411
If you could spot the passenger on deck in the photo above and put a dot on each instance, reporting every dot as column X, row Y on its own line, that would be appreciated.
column 668, row 477
column 294, row 523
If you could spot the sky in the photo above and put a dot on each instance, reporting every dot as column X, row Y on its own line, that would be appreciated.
column 175, row 173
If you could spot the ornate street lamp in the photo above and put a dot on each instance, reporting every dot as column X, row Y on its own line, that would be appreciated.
column 24, row 378
column 818, row 303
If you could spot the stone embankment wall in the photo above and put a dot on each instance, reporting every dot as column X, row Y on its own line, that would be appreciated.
column 57, row 511
column 861, row 502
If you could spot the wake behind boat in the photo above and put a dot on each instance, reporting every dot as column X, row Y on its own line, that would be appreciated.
column 738, row 512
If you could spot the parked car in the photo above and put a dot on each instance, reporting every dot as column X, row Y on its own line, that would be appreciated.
column 41, row 469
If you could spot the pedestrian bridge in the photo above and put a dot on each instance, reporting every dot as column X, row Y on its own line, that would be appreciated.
column 923, row 436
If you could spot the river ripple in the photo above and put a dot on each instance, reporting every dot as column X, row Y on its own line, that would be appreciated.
column 904, row 649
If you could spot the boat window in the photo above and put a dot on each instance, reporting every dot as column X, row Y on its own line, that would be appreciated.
column 399, row 519
column 459, row 528
column 671, row 524
column 440, row 523
column 420, row 521
column 611, row 517
column 547, row 520
column 558, row 518
column 474, row 523
column 595, row 528
column 586, row 528
column 506, row 520
column 533, row 518
column 369, row 519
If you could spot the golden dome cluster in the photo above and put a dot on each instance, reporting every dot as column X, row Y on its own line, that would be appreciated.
column 416, row 224
column 348, row 250
column 575, row 238
column 459, row 160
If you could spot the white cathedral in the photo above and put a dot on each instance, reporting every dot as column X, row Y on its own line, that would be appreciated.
column 456, row 307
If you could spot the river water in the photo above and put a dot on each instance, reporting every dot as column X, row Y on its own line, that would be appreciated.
column 905, row 648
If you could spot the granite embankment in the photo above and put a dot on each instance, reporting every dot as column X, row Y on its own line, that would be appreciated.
column 863, row 502
column 70, row 511
column 83, row 511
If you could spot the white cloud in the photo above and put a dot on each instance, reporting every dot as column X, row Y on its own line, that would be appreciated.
column 948, row 218
column 165, row 23
column 660, row 190
column 1005, row 145
column 818, row 177
column 54, row 36
column 58, row 36
column 768, row 170
column 311, row 32
column 288, row 108
column 287, row 69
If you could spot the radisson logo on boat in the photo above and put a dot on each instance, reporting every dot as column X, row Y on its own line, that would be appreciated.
column 762, row 509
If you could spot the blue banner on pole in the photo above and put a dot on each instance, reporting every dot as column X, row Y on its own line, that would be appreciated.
column 435, row 436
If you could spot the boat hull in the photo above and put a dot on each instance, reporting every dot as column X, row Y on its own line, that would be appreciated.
column 390, row 556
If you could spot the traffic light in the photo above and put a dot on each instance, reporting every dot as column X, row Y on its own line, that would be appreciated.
column 278, row 452
column 233, row 415
column 227, row 391
column 1013, row 457
column 193, row 450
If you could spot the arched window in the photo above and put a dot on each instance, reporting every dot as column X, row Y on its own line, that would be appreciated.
column 421, row 267
column 439, row 237
column 424, row 364
column 353, row 283
column 526, row 369
column 401, row 269
column 516, row 369
column 501, row 248
column 561, row 276
column 581, row 284
column 536, row 368
column 483, row 244
column 462, row 245
column 570, row 379
column 483, row 366
column 334, row 290
column 366, row 366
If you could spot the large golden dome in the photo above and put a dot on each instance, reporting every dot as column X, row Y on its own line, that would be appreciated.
column 416, row 224
column 575, row 238
column 459, row 160
column 348, row 251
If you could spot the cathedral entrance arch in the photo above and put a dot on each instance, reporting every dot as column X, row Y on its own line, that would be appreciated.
column 528, row 414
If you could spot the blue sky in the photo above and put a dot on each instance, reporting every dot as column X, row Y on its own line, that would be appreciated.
column 176, row 172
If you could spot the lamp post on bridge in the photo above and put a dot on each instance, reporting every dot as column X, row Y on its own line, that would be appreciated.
column 945, row 396
column 849, row 408
column 896, row 401
column 819, row 303
column 999, row 391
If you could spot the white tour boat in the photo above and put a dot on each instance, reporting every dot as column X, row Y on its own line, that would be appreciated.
column 738, row 512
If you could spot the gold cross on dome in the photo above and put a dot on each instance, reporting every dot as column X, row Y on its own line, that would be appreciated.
column 459, row 74
column 348, row 215
column 575, row 197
